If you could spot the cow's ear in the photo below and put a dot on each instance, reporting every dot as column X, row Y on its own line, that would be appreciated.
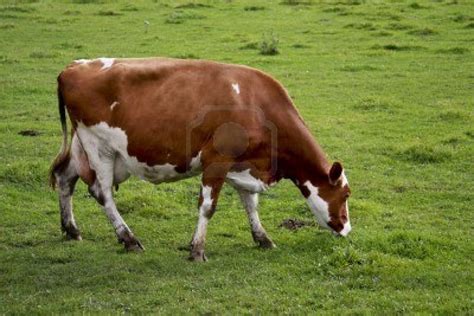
column 335, row 173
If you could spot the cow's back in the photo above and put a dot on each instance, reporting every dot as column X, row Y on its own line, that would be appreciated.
column 170, row 109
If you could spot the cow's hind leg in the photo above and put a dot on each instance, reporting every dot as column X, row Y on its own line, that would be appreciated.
column 101, row 159
column 101, row 190
column 250, row 202
column 66, row 178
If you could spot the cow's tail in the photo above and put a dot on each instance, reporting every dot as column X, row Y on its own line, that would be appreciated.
column 62, row 159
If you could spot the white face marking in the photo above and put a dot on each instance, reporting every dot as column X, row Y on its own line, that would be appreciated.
column 344, row 179
column 113, row 105
column 318, row 206
column 106, row 62
column 236, row 88
column 347, row 226
column 101, row 140
column 244, row 180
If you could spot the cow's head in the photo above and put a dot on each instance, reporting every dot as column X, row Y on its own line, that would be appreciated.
column 328, row 200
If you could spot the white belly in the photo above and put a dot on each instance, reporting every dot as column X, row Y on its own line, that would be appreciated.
column 245, row 181
column 106, row 148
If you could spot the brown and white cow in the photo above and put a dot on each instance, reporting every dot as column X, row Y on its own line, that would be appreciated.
column 167, row 119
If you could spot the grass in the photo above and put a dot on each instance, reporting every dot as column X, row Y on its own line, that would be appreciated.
column 178, row 17
column 386, row 87
column 269, row 44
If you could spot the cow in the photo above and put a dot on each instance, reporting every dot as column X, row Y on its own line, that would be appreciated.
column 164, row 119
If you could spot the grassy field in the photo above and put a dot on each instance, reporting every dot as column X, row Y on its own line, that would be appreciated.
column 387, row 88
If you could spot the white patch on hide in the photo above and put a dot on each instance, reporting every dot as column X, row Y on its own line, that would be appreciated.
column 106, row 62
column 236, row 88
column 244, row 180
column 82, row 61
column 318, row 206
column 206, row 198
column 201, row 228
column 113, row 105
column 195, row 163
column 106, row 145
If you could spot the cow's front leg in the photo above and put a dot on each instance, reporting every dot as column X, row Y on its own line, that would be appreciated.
column 104, row 196
column 207, row 205
column 250, row 202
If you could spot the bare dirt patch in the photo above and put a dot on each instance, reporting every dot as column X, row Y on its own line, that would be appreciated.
column 29, row 132
column 295, row 224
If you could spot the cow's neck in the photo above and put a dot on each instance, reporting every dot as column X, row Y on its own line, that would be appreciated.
column 303, row 159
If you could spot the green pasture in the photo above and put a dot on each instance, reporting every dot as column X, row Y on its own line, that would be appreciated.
column 386, row 87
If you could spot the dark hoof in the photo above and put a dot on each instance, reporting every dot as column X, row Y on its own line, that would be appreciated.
column 134, row 247
column 263, row 241
column 266, row 243
column 197, row 256
column 130, row 243
column 72, row 233
column 77, row 237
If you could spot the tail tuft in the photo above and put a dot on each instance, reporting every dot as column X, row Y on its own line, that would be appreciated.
column 59, row 164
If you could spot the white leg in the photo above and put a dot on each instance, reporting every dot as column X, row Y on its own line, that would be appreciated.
column 250, row 202
column 66, row 181
column 102, row 192
column 102, row 159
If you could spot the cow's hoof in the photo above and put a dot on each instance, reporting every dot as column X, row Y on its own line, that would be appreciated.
column 133, row 245
column 72, row 233
column 266, row 243
column 77, row 237
column 130, row 243
column 197, row 256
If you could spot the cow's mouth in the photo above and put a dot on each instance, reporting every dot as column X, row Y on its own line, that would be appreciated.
column 339, row 229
